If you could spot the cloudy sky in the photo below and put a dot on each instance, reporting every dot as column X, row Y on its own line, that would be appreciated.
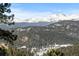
column 29, row 10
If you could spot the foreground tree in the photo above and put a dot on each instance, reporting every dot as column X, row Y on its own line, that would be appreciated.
column 6, row 18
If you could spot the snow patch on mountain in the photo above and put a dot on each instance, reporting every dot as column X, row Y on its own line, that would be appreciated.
column 50, row 18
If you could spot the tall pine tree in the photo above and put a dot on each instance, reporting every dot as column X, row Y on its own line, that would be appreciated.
column 6, row 18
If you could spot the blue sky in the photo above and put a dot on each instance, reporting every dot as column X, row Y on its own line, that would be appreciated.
column 28, row 10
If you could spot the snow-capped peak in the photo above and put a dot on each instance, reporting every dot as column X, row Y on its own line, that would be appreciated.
column 52, row 18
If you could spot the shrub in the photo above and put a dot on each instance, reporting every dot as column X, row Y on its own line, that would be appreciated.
column 53, row 52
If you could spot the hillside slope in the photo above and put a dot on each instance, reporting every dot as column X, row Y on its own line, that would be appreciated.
column 62, row 32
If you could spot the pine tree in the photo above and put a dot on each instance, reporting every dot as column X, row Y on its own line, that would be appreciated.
column 6, row 18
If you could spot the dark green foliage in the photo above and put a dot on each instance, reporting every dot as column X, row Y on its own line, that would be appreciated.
column 53, row 52
column 3, row 52
column 4, row 18
column 7, row 35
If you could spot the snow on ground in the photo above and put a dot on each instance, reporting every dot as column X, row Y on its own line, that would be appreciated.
column 39, row 52
column 56, row 46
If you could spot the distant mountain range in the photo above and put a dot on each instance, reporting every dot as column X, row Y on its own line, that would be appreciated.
column 42, row 21
column 24, row 24
column 50, row 18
